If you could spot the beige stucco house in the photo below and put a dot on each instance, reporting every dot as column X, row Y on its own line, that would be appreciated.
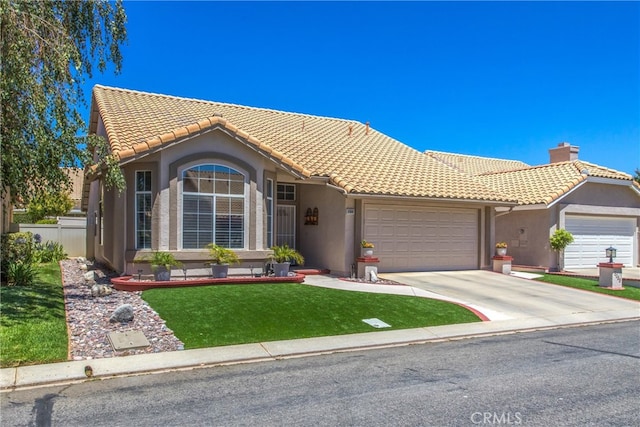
column 599, row 206
column 199, row 172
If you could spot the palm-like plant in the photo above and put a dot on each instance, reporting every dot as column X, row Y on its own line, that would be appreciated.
column 221, row 255
column 284, row 253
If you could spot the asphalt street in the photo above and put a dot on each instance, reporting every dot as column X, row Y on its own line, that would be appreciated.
column 587, row 375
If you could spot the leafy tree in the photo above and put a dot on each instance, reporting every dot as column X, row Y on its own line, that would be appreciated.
column 49, row 204
column 560, row 239
column 637, row 177
column 48, row 48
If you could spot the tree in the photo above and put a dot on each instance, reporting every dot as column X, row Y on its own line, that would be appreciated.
column 637, row 177
column 48, row 204
column 560, row 239
column 47, row 49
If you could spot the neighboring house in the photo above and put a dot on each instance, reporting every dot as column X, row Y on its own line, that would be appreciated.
column 246, row 178
column 599, row 206
column 76, row 175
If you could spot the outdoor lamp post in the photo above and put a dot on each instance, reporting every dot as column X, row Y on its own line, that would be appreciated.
column 611, row 253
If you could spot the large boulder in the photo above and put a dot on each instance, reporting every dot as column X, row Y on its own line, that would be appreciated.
column 122, row 314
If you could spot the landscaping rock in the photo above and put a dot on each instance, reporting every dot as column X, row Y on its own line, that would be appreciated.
column 88, row 318
column 89, row 277
column 122, row 314
column 100, row 290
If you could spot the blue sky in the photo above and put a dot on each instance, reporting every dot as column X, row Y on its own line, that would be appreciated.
column 496, row 79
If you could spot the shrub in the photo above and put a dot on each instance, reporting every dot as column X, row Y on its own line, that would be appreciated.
column 16, row 247
column 47, row 221
column 157, row 258
column 221, row 255
column 49, row 252
column 20, row 273
column 286, row 254
column 21, row 218
column 49, row 204
column 561, row 239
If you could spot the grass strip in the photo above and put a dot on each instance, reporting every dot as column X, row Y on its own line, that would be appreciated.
column 212, row 316
column 33, row 327
column 628, row 292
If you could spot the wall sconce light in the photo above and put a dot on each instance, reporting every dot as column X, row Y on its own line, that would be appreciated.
column 611, row 253
column 311, row 217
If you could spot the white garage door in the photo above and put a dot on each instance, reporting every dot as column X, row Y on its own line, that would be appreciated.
column 593, row 234
column 420, row 238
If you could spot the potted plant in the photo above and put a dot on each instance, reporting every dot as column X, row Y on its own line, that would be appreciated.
column 221, row 257
column 501, row 248
column 282, row 257
column 367, row 249
column 161, row 263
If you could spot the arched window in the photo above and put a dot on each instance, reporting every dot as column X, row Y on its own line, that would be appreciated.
column 213, row 202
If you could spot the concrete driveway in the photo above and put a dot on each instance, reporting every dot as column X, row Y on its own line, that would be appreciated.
column 503, row 297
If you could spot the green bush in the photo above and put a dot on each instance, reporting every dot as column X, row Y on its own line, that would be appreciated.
column 47, row 221
column 16, row 247
column 49, row 252
column 561, row 239
column 49, row 204
column 20, row 273
column 21, row 218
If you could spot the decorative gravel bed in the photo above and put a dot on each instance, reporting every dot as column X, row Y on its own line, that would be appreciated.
column 88, row 317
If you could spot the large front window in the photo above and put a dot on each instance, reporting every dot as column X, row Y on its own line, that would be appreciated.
column 212, row 207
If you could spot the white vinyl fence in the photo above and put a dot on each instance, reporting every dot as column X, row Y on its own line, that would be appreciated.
column 72, row 235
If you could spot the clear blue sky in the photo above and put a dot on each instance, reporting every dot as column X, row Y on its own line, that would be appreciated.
column 496, row 79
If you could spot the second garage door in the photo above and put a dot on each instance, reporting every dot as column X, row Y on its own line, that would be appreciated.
column 593, row 234
column 423, row 238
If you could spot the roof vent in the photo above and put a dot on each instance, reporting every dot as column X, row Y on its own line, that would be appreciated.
column 585, row 172
column 366, row 132
column 217, row 114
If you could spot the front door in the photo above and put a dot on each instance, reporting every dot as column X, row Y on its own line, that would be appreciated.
column 286, row 225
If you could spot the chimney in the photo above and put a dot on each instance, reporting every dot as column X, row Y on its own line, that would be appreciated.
column 564, row 152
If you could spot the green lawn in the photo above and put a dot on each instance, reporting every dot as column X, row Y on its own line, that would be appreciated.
column 591, row 285
column 33, row 326
column 211, row 316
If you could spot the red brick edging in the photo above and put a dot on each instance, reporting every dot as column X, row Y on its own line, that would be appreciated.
column 128, row 283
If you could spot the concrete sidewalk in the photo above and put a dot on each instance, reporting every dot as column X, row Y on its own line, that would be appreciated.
column 73, row 371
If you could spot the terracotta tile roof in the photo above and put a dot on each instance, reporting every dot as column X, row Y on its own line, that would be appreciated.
column 350, row 154
column 547, row 183
column 475, row 165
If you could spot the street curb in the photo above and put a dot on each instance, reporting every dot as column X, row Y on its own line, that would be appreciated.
column 72, row 372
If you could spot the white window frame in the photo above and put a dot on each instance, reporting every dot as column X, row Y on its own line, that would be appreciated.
column 137, row 207
column 269, row 191
column 244, row 197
